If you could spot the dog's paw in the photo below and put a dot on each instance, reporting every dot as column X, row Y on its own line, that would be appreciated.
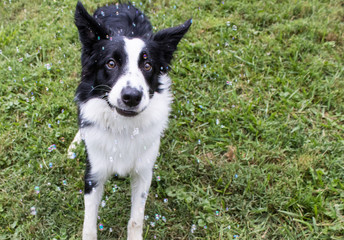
column 134, row 230
column 76, row 141
column 88, row 235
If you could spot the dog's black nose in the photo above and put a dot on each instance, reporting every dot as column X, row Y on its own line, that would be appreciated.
column 131, row 96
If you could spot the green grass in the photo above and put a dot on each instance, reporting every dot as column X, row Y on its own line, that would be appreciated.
column 255, row 145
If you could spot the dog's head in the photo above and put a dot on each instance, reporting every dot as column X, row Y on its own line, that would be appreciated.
column 122, row 59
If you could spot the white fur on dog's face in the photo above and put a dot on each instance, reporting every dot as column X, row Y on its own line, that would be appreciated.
column 132, row 76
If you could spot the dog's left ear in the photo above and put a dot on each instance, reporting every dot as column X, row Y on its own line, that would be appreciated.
column 90, row 30
column 169, row 38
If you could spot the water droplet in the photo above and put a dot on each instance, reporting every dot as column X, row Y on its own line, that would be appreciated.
column 103, row 48
column 146, row 217
column 163, row 218
column 217, row 213
column 9, row 68
column 152, row 224
column 102, row 13
column 217, row 121
column 165, row 200
column 228, row 23
column 37, row 189
column 64, row 182
column 103, row 203
column 50, row 165
column 234, row 28
column 158, row 178
column 101, row 227
column 157, row 217
column 117, row 13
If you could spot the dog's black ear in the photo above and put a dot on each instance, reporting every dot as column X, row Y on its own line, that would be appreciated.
column 169, row 38
column 90, row 30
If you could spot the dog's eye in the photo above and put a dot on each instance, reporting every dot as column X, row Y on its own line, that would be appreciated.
column 147, row 67
column 111, row 64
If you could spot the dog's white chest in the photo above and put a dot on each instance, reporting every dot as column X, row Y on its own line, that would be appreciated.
column 123, row 152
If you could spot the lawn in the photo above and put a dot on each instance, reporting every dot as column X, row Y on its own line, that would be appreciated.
column 255, row 144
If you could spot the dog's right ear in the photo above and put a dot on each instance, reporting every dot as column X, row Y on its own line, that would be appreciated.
column 90, row 30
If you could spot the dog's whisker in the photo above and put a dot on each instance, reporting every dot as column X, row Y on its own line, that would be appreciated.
column 103, row 87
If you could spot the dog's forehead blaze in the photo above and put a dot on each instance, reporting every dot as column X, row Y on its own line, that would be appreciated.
column 133, row 48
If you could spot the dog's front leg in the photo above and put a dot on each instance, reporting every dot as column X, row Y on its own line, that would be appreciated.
column 93, row 195
column 140, row 183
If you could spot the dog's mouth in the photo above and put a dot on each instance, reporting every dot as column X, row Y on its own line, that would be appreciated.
column 126, row 113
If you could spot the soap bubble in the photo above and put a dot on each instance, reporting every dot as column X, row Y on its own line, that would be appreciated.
column 33, row 211
column 193, row 228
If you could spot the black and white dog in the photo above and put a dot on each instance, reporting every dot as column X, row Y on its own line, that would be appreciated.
column 123, row 101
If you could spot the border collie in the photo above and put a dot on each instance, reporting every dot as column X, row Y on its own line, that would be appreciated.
column 123, row 103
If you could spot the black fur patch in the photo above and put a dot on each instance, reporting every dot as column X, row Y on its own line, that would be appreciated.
column 89, row 182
